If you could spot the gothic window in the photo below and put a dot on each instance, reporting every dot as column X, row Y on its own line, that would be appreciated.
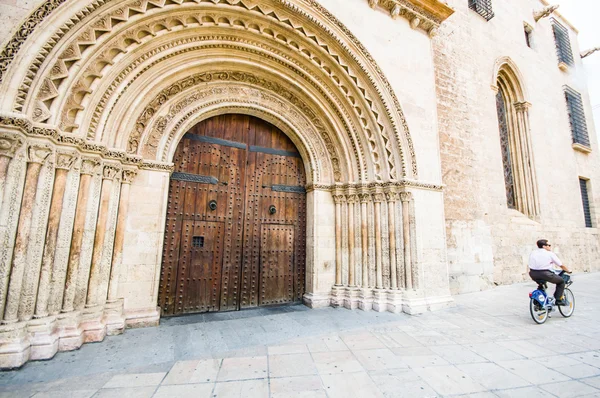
column 515, row 142
column 563, row 43
column 505, row 149
column 576, row 117
column 483, row 8
column 583, row 186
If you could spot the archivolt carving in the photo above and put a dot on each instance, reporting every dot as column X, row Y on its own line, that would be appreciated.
column 239, row 77
column 105, row 22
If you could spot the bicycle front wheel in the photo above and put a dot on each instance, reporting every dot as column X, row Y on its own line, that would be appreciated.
column 567, row 310
column 538, row 313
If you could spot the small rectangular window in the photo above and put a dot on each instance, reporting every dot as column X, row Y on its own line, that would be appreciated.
column 576, row 117
column 563, row 43
column 483, row 8
column 583, row 185
column 198, row 241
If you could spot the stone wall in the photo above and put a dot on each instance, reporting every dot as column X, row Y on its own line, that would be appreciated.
column 489, row 243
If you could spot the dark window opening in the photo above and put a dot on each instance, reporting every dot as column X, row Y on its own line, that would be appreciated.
column 198, row 241
column 576, row 117
column 483, row 8
column 505, row 148
column 583, row 185
column 562, row 42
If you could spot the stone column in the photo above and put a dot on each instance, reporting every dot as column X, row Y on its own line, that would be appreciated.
column 8, row 147
column 364, row 234
column 37, row 155
column 128, row 176
column 351, row 260
column 64, row 162
column 405, row 197
column 377, row 199
column 109, row 173
column 339, row 199
column 88, row 167
column 391, row 198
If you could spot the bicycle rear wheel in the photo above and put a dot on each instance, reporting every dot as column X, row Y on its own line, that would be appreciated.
column 538, row 313
column 567, row 310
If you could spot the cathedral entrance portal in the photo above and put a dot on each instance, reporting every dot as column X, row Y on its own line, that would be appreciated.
column 235, row 233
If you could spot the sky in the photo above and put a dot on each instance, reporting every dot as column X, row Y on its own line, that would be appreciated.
column 583, row 14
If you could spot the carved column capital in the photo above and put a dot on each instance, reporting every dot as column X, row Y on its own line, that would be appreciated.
column 406, row 196
column 109, row 172
column 89, row 166
column 378, row 197
column 338, row 199
column 391, row 196
column 65, row 160
column 38, row 153
column 522, row 106
column 128, row 175
column 353, row 198
column 364, row 197
column 373, row 3
column 9, row 145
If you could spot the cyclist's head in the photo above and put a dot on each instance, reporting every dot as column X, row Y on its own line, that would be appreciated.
column 541, row 243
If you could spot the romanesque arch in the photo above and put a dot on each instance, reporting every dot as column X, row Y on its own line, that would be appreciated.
column 96, row 98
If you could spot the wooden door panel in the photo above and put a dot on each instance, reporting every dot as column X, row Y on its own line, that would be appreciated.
column 276, row 264
column 242, row 165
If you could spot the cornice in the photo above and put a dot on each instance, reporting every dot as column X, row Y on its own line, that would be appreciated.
column 426, row 15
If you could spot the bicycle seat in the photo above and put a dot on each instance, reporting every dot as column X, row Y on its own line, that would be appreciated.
column 541, row 284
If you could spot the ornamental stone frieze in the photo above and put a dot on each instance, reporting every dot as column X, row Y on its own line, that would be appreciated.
column 426, row 15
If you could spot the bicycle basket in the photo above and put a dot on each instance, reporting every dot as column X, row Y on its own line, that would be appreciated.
column 566, row 277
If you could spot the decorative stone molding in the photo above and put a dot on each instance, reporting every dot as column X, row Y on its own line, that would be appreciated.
column 38, row 153
column 544, row 12
column 109, row 172
column 589, row 52
column 89, row 166
column 128, row 176
column 424, row 14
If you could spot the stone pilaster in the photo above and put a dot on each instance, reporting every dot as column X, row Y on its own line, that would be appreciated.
column 9, row 144
column 364, row 198
column 406, row 197
column 339, row 199
column 391, row 198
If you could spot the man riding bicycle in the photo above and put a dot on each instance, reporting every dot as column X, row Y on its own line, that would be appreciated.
column 541, row 263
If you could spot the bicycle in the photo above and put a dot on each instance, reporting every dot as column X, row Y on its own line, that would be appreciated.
column 541, row 304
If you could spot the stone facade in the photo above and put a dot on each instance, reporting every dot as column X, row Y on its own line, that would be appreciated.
column 386, row 101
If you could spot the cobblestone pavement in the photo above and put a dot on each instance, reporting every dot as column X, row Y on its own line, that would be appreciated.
column 486, row 346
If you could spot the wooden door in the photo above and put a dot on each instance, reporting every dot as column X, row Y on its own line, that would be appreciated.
column 236, row 219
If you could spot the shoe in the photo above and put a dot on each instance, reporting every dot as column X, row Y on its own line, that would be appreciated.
column 561, row 302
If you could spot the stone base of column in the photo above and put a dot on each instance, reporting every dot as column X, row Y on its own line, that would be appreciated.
column 140, row 318
column 394, row 301
column 379, row 300
column 351, row 298
column 93, row 325
column 70, row 332
column 365, row 299
column 412, row 304
column 114, row 317
column 337, row 295
column 317, row 300
column 14, row 345
column 43, row 336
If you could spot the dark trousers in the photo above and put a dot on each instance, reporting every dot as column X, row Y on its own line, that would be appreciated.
column 549, row 276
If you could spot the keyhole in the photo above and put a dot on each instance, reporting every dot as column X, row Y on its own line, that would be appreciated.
column 272, row 209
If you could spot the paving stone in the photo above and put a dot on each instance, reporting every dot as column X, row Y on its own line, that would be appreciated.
column 449, row 380
column 135, row 392
column 592, row 381
column 402, row 383
column 494, row 352
column 298, row 387
column 358, row 385
column 336, row 362
column 569, row 389
column 135, row 380
column 533, row 371
column 379, row 359
column 361, row 341
column 66, row 394
column 457, row 354
column 290, row 365
column 288, row 349
column 243, row 368
column 526, row 392
column 245, row 389
column 190, row 372
column 185, row 391
column 492, row 376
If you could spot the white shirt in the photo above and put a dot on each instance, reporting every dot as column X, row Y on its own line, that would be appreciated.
column 542, row 259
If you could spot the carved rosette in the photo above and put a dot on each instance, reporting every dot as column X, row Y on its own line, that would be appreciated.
column 65, row 160
column 9, row 145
